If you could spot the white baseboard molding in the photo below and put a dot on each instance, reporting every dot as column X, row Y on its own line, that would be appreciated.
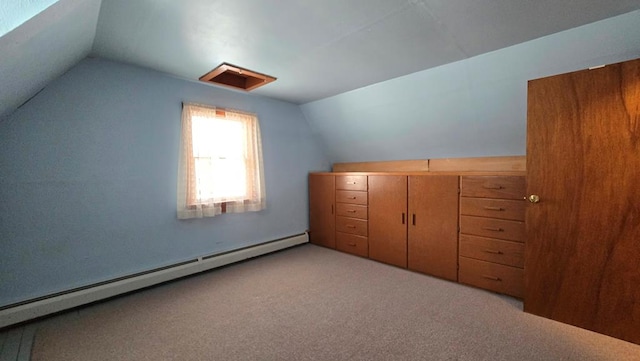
column 61, row 302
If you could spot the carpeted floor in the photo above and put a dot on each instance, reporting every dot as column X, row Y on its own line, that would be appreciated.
column 311, row 303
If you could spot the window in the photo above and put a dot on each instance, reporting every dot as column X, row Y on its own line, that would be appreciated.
column 220, row 168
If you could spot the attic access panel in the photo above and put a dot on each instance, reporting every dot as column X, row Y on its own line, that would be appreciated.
column 236, row 77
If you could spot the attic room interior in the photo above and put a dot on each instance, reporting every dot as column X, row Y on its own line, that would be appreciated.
column 412, row 179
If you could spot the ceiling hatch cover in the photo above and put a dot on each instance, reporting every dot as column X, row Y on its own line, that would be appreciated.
column 236, row 77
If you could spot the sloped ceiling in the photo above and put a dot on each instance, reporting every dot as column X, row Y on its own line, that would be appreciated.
column 13, row 13
column 43, row 48
column 471, row 108
column 316, row 49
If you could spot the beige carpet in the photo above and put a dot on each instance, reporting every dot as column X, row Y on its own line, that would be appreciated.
column 311, row 303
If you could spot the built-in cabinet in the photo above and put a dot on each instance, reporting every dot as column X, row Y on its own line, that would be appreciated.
column 322, row 208
column 352, row 215
column 414, row 222
column 420, row 222
column 388, row 215
column 433, row 226
column 492, row 233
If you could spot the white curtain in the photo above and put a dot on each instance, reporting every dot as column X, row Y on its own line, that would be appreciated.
column 220, row 169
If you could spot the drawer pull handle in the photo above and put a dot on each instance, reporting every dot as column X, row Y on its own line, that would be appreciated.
column 351, row 182
column 351, row 197
column 490, row 186
column 352, row 244
column 499, row 209
column 350, row 226
column 351, row 211
column 492, row 278
column 494, row 229
column 492, row 251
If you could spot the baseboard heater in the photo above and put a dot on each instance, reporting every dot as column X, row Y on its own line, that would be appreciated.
column 28, row 310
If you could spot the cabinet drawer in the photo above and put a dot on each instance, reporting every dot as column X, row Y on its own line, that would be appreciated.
column 492, row 250
column 493, row 228
column 494, row 208
column 353, row 244
column 491, row 276
column 351, row 226
column 351, row 182
column 353, row 197
column 351, row 210
column 505, row 187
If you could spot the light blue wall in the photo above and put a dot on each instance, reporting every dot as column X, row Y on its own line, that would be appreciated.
column 88, row 179
column 471, row 108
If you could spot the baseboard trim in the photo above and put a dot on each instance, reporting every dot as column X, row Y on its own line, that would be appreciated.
column 43, row 306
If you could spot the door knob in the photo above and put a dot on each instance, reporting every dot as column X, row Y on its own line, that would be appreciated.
column 534, row 198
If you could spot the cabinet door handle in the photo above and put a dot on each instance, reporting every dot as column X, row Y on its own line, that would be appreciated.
column 499, row 209
column 413, row 219
column 492, row 251
column 494, row 229
column 492, row 278
column 403, row 218
column 332, row 209
column 492, row 186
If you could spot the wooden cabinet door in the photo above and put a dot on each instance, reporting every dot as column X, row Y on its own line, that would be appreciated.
column 388, row 219
column 582, row 253
column 322, row 222
column 433, row 225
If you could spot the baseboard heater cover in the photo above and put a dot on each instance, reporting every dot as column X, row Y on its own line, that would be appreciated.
column 60, row 302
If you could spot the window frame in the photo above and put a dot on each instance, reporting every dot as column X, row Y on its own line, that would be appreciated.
column 189, row 203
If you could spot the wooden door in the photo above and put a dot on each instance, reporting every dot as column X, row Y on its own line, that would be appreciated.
column 388, row 219
column 322, row 222
column 433, row 225
column 582, row 256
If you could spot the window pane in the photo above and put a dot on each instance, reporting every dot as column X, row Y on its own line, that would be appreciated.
column 219, row 153
column 233, row 185
column 218, row 138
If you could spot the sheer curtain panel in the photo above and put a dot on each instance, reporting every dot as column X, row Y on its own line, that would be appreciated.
column 220, row 169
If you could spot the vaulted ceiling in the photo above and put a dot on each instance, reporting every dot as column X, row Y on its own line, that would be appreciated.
column 316, row 49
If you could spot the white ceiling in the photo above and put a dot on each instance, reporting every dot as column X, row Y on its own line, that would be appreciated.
column 317, row 49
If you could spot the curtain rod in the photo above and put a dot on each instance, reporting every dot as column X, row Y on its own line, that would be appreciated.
column 212, row 107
